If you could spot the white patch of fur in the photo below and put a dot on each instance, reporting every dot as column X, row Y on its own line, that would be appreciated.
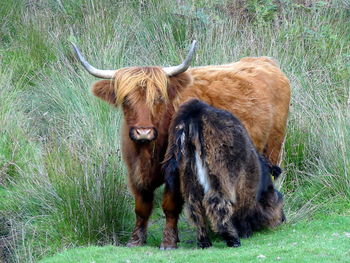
column 182, row 143
column 202, row 174
column 233, row 195
column 182, row 138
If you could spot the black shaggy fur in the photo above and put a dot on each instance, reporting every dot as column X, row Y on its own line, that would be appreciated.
column 268, row 211
column 236, row 191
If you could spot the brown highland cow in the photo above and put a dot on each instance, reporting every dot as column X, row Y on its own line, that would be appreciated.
column 254, row 89
column 211, row 158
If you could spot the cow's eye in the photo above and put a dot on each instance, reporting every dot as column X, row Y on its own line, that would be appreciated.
column 159, row 100
column 126, row 102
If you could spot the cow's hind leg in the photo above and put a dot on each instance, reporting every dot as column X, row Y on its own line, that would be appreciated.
column 243, row 226
column 273, row 148
column 143, row 209
column 196, row 213
column 172, row 206
column 220, row 211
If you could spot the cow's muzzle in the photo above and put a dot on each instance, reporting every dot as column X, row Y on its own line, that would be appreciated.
column 143, row 134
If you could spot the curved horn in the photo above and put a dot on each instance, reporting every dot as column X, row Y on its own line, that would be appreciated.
column 172, row 71
column 99, row 73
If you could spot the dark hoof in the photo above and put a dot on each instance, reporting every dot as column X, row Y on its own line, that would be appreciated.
column 244, row 229
column 233, row 243
column 246, row 234
column 204, row 243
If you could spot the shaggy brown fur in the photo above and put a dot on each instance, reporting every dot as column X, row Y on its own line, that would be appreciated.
column 220, row 174
column 268, row 210
column 254, row 89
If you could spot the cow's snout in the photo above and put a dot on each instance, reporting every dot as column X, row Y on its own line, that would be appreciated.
column 143, row 134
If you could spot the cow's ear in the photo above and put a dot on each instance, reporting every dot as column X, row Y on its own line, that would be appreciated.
column 104, row 89
column 178, row 83
column 276, row 171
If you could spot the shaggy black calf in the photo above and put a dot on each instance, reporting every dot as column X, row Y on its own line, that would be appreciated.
column 211, row 160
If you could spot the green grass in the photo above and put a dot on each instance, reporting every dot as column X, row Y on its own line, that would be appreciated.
column 62, row 180
column 320, row 240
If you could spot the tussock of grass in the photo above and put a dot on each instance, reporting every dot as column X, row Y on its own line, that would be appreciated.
column 62, row 180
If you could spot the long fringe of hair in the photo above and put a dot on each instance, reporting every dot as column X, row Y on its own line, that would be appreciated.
column 151, row 81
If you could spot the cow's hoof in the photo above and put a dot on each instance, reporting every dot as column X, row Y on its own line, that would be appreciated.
column 167, row 247
column 233, row 243
column 246, row 234
column 204, row 242
column 203, row 245
column 170, row 239
column 135, row 243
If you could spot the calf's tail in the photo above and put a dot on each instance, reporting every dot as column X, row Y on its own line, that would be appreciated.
column 184, row 142
column 171, row 163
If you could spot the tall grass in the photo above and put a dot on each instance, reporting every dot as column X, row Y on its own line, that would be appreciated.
column 72, row 191
column 62, row 178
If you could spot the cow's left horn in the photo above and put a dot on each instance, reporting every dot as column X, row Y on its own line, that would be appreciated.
column 172, row 71
column 99, row 73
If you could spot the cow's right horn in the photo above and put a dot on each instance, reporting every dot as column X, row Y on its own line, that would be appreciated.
column 99, row 73
column 172, row 71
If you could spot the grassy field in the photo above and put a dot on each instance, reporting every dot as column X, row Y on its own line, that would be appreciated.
column 62, row 181
column 321, row 240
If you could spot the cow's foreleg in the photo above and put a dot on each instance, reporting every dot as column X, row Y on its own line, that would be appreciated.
column 143, row 209
column 172, row 206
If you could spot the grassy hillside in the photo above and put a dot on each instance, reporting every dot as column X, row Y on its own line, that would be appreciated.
column 62, row 181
